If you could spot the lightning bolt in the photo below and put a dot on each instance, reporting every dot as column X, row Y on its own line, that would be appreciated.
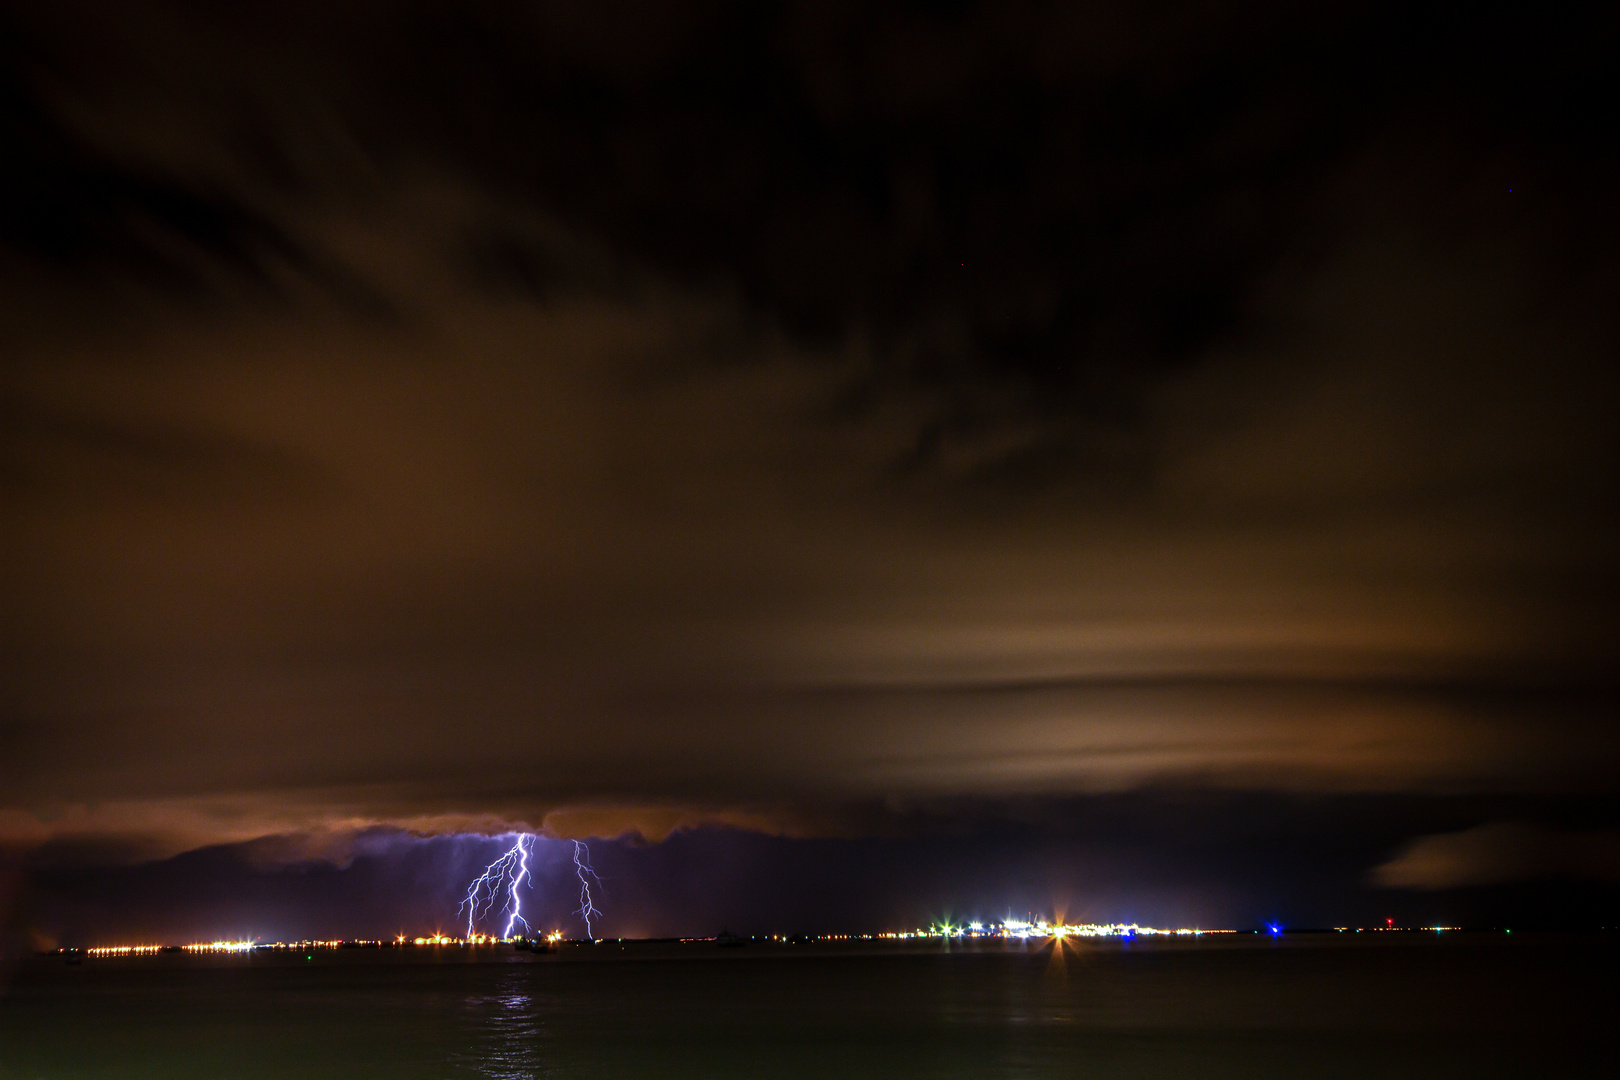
column 522, row 875
column 504, row 875
column 582, row 868
column 502, row 879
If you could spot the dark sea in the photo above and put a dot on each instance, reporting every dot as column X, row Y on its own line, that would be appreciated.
column 1368, row 1005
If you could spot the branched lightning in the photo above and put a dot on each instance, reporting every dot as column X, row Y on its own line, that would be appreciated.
column 519, row 878
column 505, row 874
column 582, row 868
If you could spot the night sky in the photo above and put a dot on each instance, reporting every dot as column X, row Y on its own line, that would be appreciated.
column 852, row 464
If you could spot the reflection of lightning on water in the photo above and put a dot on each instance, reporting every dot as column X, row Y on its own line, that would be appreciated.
column 582, row 868
column 504, row 874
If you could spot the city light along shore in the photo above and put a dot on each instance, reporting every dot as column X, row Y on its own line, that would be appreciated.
column 1020, row 930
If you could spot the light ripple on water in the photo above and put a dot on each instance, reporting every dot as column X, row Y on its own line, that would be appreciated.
column 507, row 1030
column 1477, row 1008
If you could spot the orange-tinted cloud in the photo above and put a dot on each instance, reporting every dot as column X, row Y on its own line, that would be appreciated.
column 1498, row 853
column 360, row 469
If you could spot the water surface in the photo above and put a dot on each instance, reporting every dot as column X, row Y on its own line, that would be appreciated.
column 1384, row 1006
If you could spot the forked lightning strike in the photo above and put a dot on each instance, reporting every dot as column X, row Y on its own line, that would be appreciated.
column 582, row 868
column 507, row 874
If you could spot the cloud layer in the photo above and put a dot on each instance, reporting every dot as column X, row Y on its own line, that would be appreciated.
column 460, row 420
column 1498, row 853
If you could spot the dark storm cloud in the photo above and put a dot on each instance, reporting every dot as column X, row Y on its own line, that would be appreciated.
column 447, row 417
column 1033, row 210
column 69, row 202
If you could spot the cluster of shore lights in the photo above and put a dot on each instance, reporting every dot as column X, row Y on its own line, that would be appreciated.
column 336, row 943
column 1012, row 929
column 476, row 939
column 289, row 946
column 219, row 946
column 1024, row 929
column 311, row 943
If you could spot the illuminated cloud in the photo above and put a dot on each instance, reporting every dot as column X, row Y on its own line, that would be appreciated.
column 1498, row 853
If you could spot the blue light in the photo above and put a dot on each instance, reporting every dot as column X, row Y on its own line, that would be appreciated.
column 1274, row 928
